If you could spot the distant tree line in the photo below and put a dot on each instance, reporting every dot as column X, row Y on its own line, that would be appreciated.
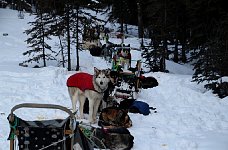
column 182, row 31
column 195, row 28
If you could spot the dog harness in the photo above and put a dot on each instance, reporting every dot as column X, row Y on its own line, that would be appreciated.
column 83, row 81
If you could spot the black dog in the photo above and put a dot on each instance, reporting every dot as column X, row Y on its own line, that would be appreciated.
column 148, row 82
column 133, row 106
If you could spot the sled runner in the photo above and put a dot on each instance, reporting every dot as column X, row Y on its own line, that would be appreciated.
column 57, row 134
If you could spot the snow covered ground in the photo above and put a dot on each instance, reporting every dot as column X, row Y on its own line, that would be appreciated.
column 188, row 117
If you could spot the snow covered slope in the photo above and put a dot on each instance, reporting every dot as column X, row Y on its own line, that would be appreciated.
column 188, row 117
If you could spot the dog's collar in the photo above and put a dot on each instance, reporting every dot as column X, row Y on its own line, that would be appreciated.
column 98, row 91
column 101, row 91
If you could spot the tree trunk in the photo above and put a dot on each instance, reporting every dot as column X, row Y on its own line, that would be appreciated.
column 140, row 23
column 126, row 30
column 77, row 38
column 164, row 56
column 175, row 53
column 61, row 45
column 165, row 45
column 42, row 28
column 183, row 52
column 68, row 38
column 175, row 58
column 122, row 20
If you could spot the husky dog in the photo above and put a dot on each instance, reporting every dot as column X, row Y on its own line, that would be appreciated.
column 83, row 85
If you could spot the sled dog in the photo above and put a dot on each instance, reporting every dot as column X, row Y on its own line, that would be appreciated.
column 114, row 117
column 83, row 85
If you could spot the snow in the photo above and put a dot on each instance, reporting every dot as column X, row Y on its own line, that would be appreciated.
column 188, row 116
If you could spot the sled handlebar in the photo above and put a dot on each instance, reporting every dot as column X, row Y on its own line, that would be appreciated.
column 48, row 106
column 72, row 124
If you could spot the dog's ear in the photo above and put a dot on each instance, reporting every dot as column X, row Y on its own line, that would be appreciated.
column 96, row 71
column 108, row 72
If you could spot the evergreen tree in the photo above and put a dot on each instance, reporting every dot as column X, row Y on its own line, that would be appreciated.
column 152, row 58
column 209, row 39
column 78, row 18
column 40, row 49
column 156, row 21
column 121, row 11
column 61, row 19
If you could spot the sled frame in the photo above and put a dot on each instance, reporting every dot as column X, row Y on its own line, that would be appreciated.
column 47, row 106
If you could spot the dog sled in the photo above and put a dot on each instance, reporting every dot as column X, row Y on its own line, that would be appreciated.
column 128, row 83
column 130, row 79
column 57, row 134
column 63, row 134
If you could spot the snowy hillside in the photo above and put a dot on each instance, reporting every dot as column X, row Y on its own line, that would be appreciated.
column 188, row 117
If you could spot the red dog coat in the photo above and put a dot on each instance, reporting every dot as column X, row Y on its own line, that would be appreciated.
column 83, row 81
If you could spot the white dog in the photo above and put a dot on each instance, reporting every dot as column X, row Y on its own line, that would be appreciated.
column 83, row 85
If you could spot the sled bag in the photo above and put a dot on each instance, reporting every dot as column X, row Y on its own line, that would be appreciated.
column 35, row 135
column 142, row 107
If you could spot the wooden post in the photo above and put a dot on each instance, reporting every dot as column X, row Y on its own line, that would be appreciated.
column 11, row 144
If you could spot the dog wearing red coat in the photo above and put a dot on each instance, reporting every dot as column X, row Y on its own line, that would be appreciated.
column 83, row 85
